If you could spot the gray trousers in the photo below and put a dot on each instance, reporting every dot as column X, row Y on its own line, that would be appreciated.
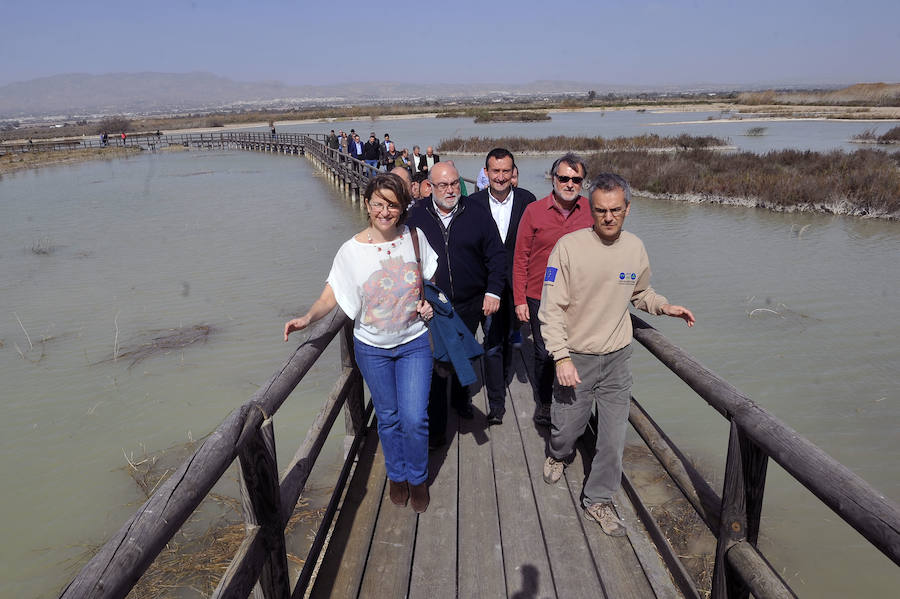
column 606, row 381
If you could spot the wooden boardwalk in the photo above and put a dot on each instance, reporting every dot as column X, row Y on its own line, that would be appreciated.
column 494, row 527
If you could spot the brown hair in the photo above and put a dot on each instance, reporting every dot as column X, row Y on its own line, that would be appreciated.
column 394, row 183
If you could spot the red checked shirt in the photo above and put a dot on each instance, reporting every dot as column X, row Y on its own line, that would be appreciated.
column 542, row 224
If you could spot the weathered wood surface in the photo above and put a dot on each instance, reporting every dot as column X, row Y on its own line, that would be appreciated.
column 493, row 529
column 439, row 522
column 867, row 510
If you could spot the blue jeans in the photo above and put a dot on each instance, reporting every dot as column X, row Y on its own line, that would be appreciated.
column 399, row 379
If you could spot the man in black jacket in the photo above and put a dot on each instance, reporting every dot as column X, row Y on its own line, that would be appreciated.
column 372, row 152
column 428, row 160
column 471, row 271
column 506, row 204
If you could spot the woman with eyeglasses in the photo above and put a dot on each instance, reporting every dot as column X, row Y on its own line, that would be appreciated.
column 375, row 280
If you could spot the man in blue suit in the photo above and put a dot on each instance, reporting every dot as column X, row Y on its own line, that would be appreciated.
column 506, row 205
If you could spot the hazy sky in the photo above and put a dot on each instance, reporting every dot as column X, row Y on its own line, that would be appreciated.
column 428, row 41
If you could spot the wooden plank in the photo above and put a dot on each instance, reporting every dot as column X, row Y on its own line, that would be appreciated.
column 390, row 556
column 677, row 571
column 345, row 557
column 621, row 574
column 480, row 556
column 434, row 562
column 646, row 552
column 571, row 571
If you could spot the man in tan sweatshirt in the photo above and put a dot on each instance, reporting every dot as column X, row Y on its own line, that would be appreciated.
column 592, row 275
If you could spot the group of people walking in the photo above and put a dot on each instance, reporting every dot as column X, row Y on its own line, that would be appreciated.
column 383, row 155
column 561, row 266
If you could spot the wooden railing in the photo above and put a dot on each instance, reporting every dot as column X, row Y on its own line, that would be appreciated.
column 245, row 435
column 756, row 435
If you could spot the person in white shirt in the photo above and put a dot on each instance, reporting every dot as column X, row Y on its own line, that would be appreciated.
column 375, row 280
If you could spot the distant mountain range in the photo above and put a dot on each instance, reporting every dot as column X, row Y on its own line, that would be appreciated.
column 82, row 95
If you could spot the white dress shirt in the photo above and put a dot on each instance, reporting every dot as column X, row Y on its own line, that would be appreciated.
column 502, row 212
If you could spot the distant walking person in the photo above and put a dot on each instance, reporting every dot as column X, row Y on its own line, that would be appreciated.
column 429, row 160
column 372, row 154
column 591, row 278
column 543, row 223
column 375, row 280
column 332, row 140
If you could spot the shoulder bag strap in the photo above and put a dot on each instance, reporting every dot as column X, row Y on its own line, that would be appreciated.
column 414, row 235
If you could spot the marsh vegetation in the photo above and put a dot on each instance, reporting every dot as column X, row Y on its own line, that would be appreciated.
column 585, row 144
column 861, row 183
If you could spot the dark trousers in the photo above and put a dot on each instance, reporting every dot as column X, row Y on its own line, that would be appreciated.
column 544, row 369
column 497, row 352
column 471, row 314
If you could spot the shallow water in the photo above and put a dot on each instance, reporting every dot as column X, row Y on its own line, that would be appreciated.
column 241, row 241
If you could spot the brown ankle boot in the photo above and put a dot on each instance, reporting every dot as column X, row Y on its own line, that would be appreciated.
column 399, row 492
column 419, row 497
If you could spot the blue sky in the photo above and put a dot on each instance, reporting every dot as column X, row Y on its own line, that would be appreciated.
column 615, row 42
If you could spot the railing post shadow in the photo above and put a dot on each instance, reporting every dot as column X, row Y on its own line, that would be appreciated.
column 742, row 497
column 354, row 407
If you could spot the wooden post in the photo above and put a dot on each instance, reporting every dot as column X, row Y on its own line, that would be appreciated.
column 261, row 503
column 742, row 495
column 354, row 408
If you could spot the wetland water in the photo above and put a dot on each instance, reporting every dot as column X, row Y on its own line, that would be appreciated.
column 240, row 241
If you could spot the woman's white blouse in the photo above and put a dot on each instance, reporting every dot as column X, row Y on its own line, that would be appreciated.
column 377, row 284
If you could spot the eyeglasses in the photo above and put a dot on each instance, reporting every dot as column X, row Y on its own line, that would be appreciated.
column 378, row 208
column 446, row 186
column 614, row 212
column 565, row 179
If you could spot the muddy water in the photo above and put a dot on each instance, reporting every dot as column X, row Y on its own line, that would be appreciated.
column 798, row 311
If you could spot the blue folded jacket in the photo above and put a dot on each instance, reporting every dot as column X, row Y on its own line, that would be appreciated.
column 452, row 340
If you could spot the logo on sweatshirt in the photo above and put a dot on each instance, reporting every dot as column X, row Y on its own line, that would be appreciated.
column 550, row 274
column 627, row 278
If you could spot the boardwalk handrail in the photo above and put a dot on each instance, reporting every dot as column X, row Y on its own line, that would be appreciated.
column 756, row 435
column 246, row 435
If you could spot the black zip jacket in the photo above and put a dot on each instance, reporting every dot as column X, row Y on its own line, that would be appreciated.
column 471, row 257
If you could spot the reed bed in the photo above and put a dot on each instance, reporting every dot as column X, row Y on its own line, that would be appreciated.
column 560, row 143
column 525, row 116
column 862, row 183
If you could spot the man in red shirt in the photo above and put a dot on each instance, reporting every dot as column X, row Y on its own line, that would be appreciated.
column 563, row 211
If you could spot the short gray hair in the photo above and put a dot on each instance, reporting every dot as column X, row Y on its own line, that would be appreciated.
column 610, row 182
column 572, row 159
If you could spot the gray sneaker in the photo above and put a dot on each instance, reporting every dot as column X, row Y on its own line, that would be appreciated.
column 542, row 415
column 553, row 470
column 605, row 515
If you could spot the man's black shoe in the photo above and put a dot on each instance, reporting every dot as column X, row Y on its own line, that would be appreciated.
column 495, row 417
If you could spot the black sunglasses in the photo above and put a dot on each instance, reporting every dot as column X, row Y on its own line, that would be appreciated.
column 565, row 179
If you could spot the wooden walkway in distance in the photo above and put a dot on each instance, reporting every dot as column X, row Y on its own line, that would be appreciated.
column 493, row 529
